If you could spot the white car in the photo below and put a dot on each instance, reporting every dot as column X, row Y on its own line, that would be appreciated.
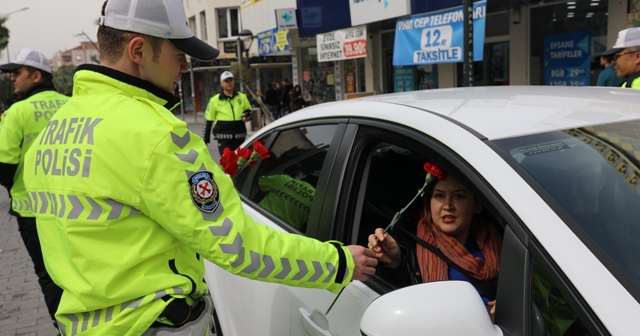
column 557, row 168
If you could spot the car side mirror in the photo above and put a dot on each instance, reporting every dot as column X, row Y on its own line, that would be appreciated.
column 435, row 308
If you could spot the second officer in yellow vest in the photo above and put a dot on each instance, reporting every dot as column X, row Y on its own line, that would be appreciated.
column 227, row 111
column 626, row 57
column 38, row 101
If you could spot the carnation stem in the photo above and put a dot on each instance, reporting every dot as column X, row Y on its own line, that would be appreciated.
column 396, row 217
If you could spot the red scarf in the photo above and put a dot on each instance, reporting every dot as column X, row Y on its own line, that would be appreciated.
column 433, row 268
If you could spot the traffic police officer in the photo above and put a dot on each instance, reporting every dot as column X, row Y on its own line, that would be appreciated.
column 227, row 111
column 626, row 57
column 38, row 101
column 135, row 207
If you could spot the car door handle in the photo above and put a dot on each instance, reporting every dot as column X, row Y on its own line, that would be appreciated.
column 315, row 323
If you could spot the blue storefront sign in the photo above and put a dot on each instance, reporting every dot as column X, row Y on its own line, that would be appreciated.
column 567, row 59
column 436, row 37
column 322, row 16
column 273, row 41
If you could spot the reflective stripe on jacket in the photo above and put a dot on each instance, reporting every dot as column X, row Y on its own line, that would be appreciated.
column 129, row 228
column 21, row 123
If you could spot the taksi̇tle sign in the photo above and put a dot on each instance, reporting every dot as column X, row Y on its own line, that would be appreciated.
column 342, row 44
column 437, row 37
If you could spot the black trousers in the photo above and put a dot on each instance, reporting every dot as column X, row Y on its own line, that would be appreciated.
column 29, row 233
column 232, row 144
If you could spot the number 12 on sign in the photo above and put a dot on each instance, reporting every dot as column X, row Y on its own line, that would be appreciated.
column 436, row 37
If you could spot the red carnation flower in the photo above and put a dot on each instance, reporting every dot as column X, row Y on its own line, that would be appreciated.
column 259, row 148
column 229, row 162
column 435, row 171
column 234, row 161
column 243, row 152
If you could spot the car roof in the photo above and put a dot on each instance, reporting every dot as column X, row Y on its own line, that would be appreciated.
column 507, row 111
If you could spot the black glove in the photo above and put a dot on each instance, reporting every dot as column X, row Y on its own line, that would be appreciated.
column 247, row 114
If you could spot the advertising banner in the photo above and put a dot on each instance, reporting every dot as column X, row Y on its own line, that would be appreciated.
column 567, row 59
column 342, row 44
column 436, row 37
column 273, row 41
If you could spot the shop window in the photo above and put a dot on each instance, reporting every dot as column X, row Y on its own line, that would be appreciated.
column 580, row 17
column 354, row 76
column 493, row 70
column 317, row 77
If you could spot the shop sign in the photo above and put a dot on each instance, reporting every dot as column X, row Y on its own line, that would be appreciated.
column 273, row 41
column 230, row 47
column 567, row 59
column 342, row 44
column 437, row 37
column 403, row 79
column 367, row 11
column 286, row 18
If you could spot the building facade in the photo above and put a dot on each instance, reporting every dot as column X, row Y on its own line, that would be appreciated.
column 349, row 48
column 86, row 52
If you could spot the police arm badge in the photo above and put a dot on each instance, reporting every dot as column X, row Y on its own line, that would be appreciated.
column 204, row 191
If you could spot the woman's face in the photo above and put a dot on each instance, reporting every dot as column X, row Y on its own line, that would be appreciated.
column 452, row 208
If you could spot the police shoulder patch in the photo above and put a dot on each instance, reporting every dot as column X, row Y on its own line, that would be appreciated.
column 204, row 191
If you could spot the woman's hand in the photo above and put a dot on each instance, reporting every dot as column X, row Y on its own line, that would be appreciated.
column 492, row 310
column 386, row 248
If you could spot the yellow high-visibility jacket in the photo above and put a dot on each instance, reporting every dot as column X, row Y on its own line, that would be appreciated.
column 133, row 205
column 21, row 123
column 635, row 81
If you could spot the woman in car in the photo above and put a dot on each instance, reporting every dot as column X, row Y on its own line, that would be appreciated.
column 450, row 240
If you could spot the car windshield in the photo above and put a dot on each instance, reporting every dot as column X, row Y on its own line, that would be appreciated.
column 593, row 174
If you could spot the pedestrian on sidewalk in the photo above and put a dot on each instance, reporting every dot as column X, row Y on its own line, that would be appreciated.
column 285, row 98
column 272, row 100
column 37, row 101
column 140, row 205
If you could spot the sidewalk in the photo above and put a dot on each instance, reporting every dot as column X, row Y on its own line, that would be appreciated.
column 22, row 308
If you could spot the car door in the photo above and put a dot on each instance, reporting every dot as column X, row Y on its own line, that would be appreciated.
column 383, row 170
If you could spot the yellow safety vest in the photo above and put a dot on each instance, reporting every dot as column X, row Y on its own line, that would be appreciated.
column 133, row 203
column 21, row 123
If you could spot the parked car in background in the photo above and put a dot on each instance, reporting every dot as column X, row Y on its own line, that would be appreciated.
column 557, row 168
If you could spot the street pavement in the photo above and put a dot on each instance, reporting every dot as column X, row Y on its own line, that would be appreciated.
column 22, row 308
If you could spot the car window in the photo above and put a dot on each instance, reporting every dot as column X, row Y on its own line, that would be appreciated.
column 593, row 175
column 553, row 316
column 385, row 172
column 285, row 184
column 391, row 180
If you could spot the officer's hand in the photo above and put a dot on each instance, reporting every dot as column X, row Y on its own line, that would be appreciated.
column 364, row 261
